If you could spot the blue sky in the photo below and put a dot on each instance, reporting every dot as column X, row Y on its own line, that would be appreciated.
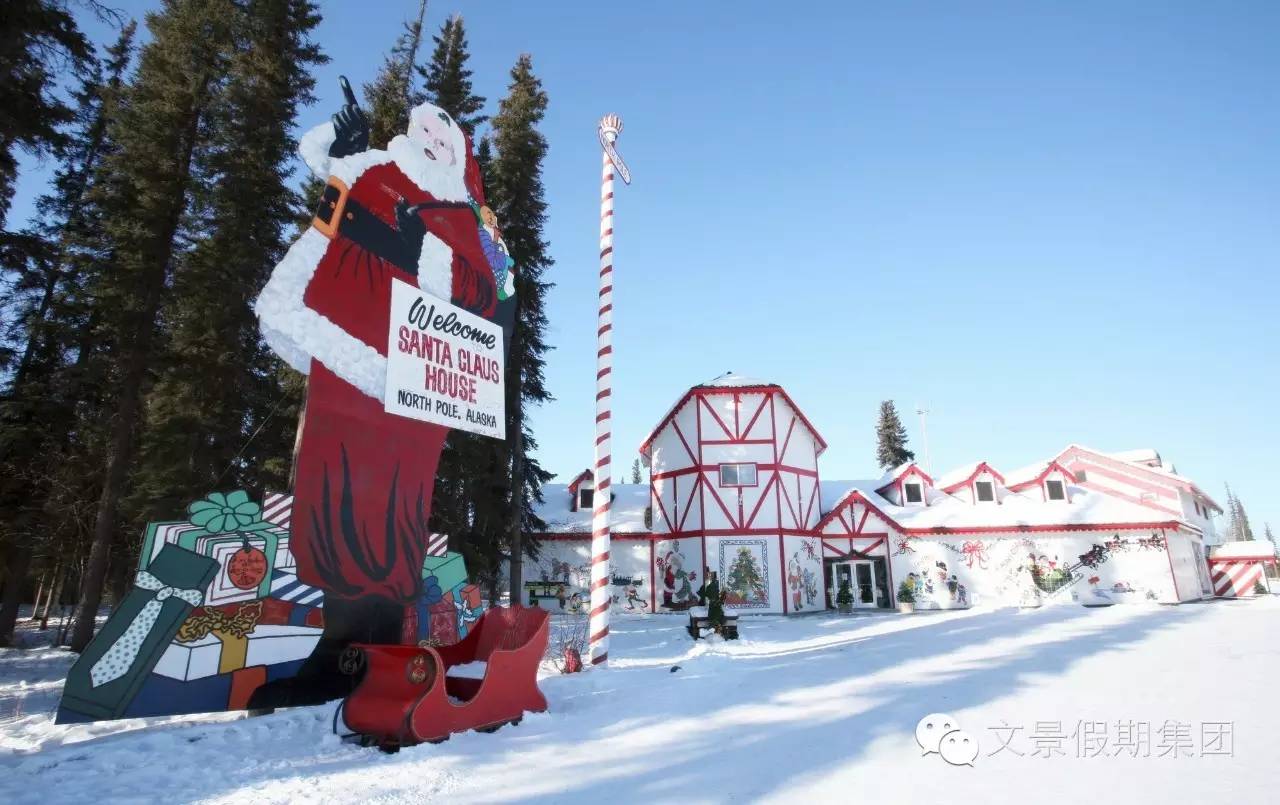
column 1047, row 222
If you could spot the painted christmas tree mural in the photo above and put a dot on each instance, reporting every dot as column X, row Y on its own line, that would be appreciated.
column 746, row 581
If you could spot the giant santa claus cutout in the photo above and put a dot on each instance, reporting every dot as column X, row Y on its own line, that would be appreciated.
column 416, row 213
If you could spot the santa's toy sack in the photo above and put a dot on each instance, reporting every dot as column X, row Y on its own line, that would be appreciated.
column 414, row 694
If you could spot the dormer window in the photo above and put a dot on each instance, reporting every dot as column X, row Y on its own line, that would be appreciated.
column 737, row 475
column 1054, row 490
column 586, row 498
column 914, row 492
column 985, row 491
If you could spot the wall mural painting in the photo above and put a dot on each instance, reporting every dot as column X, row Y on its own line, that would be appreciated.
column 629, row 593
column 744, row 573
column 937, row 588
column 804, row 568
column 677, row 577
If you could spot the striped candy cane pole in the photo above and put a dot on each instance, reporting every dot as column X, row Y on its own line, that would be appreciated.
column 601, row 592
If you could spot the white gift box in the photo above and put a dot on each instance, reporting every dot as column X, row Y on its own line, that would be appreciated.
column 268, row 645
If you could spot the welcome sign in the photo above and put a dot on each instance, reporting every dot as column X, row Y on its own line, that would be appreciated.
column 444, row 365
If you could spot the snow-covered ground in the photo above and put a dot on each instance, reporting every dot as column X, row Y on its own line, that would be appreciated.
column 818, row 708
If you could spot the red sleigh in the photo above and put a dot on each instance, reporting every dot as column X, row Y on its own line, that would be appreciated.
column 408, row 694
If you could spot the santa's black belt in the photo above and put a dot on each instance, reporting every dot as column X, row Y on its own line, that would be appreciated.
column 338, row 214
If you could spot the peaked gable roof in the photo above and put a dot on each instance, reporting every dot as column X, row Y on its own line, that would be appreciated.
column 963, row 476
column 730, row 383
column 901, row 472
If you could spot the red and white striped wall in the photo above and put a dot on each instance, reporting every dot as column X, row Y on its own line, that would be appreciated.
column 1236, row 578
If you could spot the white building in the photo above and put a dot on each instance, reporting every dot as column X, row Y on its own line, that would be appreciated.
column 735, row 489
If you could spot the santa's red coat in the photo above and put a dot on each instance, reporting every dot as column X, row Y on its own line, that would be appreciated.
column 362, row 494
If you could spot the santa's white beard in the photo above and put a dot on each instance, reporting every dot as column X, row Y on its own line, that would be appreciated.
column 436, row 176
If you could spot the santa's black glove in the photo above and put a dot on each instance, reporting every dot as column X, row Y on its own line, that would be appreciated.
column 350, row 126
column 411, row 229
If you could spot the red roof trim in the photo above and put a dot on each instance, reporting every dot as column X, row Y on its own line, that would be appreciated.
column 854, row 495
column 1017, row 529
column 982, row 465
column 914, row 469
column 1039, row 479
column 576, row 482
column 711, row 391
column 586, row 535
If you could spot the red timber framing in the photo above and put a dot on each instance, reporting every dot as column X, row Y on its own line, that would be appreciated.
column 786, row 499
column 1157, row 483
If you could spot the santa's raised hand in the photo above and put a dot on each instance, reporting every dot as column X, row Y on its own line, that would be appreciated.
column 350, row 126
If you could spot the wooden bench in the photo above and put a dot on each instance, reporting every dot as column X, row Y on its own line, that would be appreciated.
column 700, row 622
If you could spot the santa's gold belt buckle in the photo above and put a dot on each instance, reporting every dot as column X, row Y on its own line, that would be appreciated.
column 332, row 206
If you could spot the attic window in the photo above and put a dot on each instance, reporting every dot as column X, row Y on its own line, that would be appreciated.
column 1196, row 503
column 914, row 493
column 737, row 474
column 986, row 491
column 1081, row 477
column 586, row 498
column 1055, row 490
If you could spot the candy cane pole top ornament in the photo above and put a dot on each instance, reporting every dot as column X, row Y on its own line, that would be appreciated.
column 610, row 128
column 601, row 570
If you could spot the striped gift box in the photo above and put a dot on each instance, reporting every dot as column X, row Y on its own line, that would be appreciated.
column 437, row 544
column 286, row 587
column 276, row 508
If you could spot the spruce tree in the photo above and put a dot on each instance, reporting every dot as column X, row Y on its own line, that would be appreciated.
column 223, row 405
column 1233, row 517
column 1242, row 520
column 148, row 184
column 448, row 81
column 40, row 404
column 891, row 438
column 635, row 472
column 38, row 39
column 518, row 199
column 1267, row 535
column 390, row 96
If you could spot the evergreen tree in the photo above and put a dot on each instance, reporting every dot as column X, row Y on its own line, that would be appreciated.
column 39, row 407
column 448, row 81
column 390, row 97
column 635, row 472
column 1267, row 535
column 223, row 406
column 38, row 38
column 1245, row 532
column 1235, row 523
column 147, row 184
column 518, row 200
column 891, row 438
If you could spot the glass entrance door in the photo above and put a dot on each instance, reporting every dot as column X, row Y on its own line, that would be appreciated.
column 864, row 587
column 862, row 578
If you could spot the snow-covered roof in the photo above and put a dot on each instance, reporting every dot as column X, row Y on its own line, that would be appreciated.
column 1015, row 510
column 1031, row 472
column 957, row 475
column 1244, row 549
column 897, row 472
column 625, row 516
column 1143, row 455
column 734, row 380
